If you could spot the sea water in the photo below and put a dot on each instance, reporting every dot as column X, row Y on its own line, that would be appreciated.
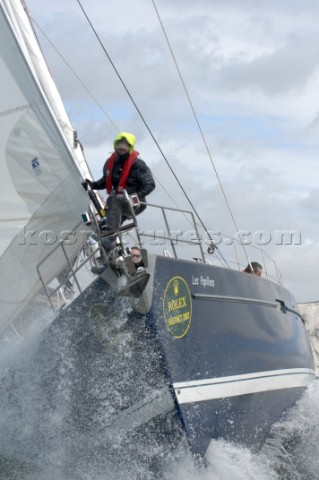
column 33, row 437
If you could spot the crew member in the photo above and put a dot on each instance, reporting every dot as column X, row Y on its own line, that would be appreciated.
column 136, row 255
column 124, row 169
column 255, row 268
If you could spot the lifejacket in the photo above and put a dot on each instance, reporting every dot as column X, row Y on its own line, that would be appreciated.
column 125, row 172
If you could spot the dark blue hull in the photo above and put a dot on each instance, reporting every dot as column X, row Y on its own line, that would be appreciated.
column 245, row 419
column 219, row 354
column 234, row 347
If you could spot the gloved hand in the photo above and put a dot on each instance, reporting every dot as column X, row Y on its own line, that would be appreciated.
column 85, row 184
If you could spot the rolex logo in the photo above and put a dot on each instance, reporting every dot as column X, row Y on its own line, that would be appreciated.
column 177, row 307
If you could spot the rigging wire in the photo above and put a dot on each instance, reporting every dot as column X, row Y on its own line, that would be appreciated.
column 76, row 75
column 199, row 127
column 33, row 21
column 144, row 121
column 99, row 105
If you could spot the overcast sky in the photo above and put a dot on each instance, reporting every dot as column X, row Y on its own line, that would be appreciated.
column 251, row 69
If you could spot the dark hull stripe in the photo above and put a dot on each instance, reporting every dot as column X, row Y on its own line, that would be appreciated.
column 224, row 298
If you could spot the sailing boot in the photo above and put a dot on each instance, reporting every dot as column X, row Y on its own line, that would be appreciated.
column 98, row 270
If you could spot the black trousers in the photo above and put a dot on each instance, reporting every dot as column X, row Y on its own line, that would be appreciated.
column 118, row 210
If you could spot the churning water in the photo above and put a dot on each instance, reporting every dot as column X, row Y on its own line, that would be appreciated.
column 56, row 424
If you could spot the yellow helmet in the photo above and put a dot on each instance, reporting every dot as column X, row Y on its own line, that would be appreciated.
column 129, row 137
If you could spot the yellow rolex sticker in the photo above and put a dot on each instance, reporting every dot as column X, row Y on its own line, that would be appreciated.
column 177, row 307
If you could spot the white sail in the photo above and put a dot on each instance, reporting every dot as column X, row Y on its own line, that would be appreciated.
column 41, row 171
column 310, row 313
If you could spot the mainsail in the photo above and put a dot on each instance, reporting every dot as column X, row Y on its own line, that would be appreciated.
column 41, row 170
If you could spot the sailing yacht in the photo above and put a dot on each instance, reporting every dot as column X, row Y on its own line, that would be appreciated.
column 230, row 345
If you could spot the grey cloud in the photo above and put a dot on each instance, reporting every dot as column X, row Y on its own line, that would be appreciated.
column 288, row 68
column 230, row 85
column 314, row 124
column 311, row 203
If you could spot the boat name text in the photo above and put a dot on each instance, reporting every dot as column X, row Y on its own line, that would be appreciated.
column 204, row 281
